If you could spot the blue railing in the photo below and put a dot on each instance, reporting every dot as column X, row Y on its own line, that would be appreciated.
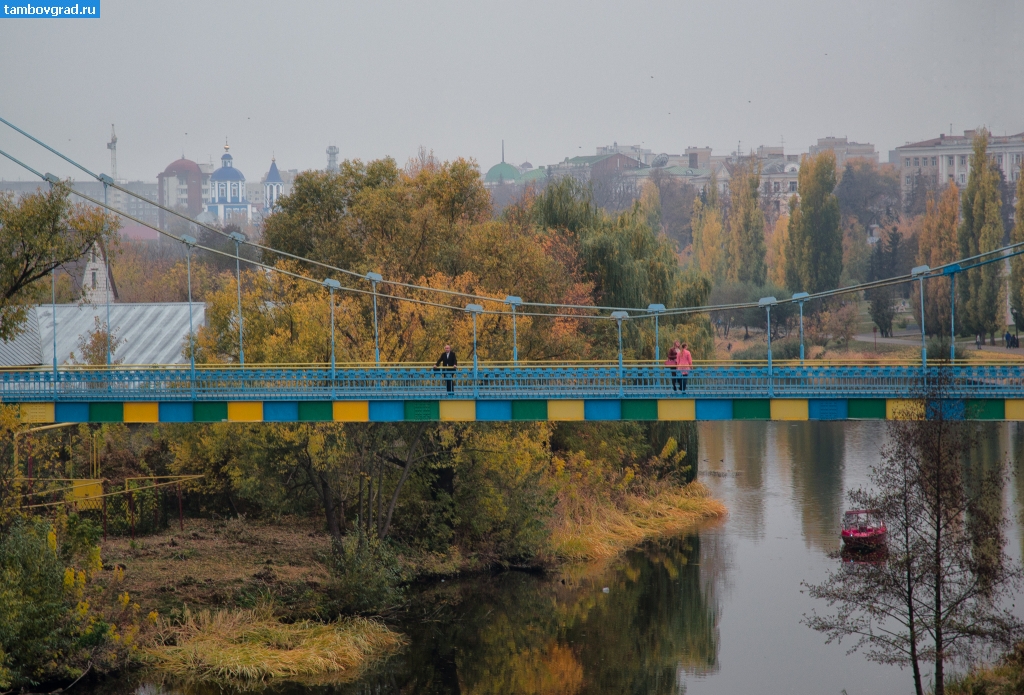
column 507, row 382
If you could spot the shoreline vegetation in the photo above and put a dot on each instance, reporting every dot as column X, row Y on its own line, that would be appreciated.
column 220, row 567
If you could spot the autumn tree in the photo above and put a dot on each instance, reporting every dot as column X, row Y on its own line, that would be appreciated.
column 937, row 247
column 709, row 241
column 1017, row 262
column 746, row 228
column 815, row 254
column 38, row 233
column 869, row 192
column 775, row 257
column 981, row 230
column 886, row 259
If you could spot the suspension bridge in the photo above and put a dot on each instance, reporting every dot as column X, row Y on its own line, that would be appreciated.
column 595, row 391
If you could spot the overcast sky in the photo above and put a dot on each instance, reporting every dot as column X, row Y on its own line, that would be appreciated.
column 553, row 79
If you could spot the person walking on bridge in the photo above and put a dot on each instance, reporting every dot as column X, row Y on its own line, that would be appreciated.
column 447, row 362
column 672, row 363
column 683, row 363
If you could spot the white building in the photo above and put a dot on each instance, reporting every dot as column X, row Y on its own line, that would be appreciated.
column 947, row 158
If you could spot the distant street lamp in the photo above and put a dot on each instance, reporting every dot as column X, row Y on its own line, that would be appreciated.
column 331, row 286
column 475, row 309
column 801, row 297
column 239, row 238
column 919, row 272
column 374, row 278
column 513, row 302
column 656, row 309
column 619, row 317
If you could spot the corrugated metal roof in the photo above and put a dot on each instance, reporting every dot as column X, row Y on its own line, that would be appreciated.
column 24, row 350
column 153, row 333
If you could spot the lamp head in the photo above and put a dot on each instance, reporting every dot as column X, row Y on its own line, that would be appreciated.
column 189, row 240
column 374, row 277
column 767, row 301
column 655, row 308
column 238, row 237
column 474, row 308
column 513, row 300
column 951, row 269
column 919, row 270
column 620, row 315
column 800, row 296
column 332, row 284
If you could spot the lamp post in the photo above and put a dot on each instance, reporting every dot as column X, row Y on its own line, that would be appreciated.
column 919, row 272
column 767, row 303
column 331, row 286
column 52, row 179
column 189, row 243
column 513, row 302
column 475, row 309
column 801, row 297
column 106, row 271
column 619, row 316
column 951, row 271
column 239, row 238
column 656, row 309
column 374, row 278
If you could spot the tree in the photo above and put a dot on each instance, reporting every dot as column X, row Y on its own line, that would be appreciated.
column 746, row 228
column 939, row 591
column 868, row 192
column 676, row 198
column 937, row 247
column 708, row 232
column 1017, row 262
column 981, row 230
column 775, row 256
column 815, row 254
column 884, row 263
column 38, row 233
column 856, row 252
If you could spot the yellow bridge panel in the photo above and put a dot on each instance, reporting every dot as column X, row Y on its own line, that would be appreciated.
column 683, row 409
column 457, row 411
column 789, row 408
column 1014, row 409
column 565, row 410
column 37, row 413
column 141, row 412
column 245, row 411
column 351, row 411
column 904, row 409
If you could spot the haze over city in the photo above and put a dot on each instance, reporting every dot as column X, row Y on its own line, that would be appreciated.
column 550, row 79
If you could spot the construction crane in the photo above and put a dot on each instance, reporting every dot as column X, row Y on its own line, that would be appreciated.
column 112, row 146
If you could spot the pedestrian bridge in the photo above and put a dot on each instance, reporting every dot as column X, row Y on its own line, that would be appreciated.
column 598, row 391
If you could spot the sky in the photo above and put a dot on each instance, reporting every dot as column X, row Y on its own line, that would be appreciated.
column 553, row 79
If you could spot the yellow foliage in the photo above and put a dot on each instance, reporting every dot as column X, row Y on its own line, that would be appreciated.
column 778, row 241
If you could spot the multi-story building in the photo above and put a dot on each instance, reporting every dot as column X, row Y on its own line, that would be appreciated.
column 182, row 186
column 845, row 150
column 947, row 158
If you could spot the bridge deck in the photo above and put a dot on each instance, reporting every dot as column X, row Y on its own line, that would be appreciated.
column 590, row 391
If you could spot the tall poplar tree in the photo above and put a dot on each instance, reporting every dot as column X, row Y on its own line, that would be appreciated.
column 708, row 232
column 1017, row 262
column 936, row 247
column 746, row 228
column 814, row 259
column 981, row 229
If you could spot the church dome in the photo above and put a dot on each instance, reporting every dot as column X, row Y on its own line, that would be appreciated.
column 227, row 171
column 502, row 172
column 182, row 167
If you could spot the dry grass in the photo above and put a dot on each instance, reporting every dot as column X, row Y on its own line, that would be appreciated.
column 252, row 645
column 593, row 530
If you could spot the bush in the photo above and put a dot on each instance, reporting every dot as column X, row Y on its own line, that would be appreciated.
column 938, row 349
column 366, row 576
column 781, row 350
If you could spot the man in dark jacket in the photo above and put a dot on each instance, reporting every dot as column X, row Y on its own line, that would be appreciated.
column 447, row 362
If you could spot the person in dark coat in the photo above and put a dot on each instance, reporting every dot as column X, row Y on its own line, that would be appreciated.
column 447, row 362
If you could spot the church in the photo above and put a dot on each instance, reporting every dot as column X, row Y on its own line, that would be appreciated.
column 227, row 192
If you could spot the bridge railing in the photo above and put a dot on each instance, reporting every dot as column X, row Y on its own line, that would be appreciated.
column 505, row 381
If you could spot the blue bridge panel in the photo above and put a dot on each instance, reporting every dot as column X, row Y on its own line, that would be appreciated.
column 602, row 410
column 387, row 411
column 714, row 410
column 827, row 409
column 494, row 411
column 281, row 411
column 175, row 412
column 71, row 412
column 946, row 409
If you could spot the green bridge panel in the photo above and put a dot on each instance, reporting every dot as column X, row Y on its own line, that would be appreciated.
column 986, row 409
column 316, row 411
column 751, row 409
column 209, row 411
column 639, row 410
column 422, row 411
column 865, row 408
column 529, row 410
column 106, row 412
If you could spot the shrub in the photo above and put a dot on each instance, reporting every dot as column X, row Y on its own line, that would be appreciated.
column 366, row 576
column 781, row 350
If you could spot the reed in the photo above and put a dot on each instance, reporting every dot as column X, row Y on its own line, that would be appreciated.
column 594, row 529
column 252, row 645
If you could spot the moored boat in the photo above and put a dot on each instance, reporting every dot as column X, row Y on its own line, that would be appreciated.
column 863, row 529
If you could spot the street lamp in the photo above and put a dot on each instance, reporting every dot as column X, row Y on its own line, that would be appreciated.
column 374, row 278
column 767, row 303
column 331, row 286
column 619, row 316
column 513, row 302
column 919, row 272
column 239, row 238
column 189, row 243
column 800, row 298
column 656, row 309
column 106, row 270
column 475, row 309
column 951, row 271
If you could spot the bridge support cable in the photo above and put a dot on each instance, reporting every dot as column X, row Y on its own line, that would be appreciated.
column 475, row 309
column 189, row 243
column 919, row 272
column 619, row 316
column 332, row 285
column 374, row 278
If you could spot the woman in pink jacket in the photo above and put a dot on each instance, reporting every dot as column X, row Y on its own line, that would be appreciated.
column 673, row 365
column 684, row 360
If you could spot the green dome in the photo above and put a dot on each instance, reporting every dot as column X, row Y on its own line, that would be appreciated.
column 502, row 172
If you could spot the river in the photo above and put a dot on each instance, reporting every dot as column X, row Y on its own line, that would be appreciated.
column 715, row 611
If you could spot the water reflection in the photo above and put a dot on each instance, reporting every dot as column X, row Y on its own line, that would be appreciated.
column 817, row 456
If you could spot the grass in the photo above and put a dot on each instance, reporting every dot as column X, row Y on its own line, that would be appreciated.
column 1003, row 678
column 595, row 530
column 253, row 646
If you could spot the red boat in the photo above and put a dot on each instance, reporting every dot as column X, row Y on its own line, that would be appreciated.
column 863, row 529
